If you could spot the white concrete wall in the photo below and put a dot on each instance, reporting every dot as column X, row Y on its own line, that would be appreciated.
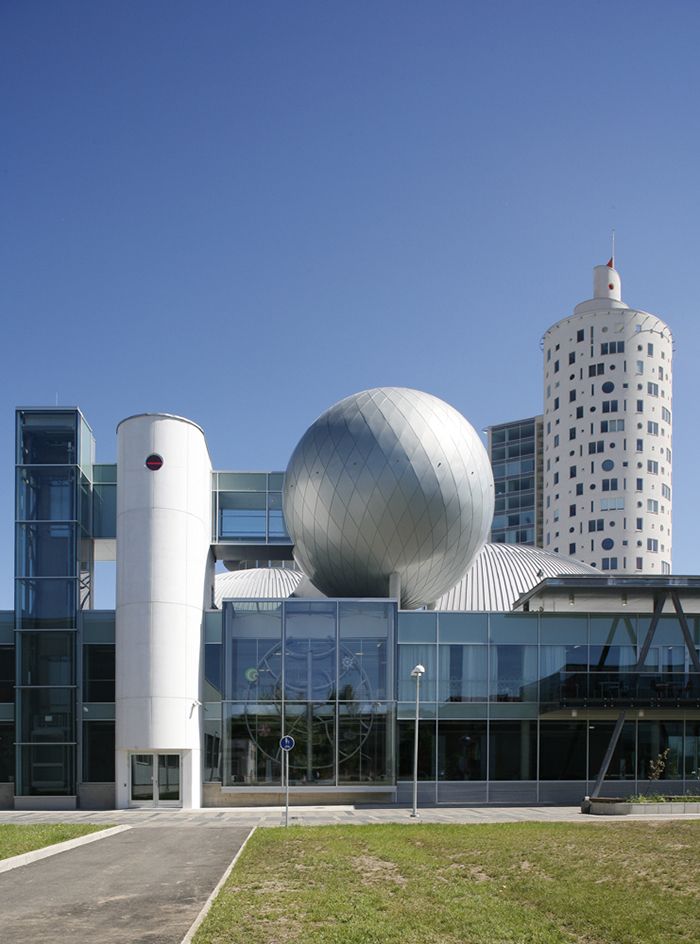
column 163, row 572
column 646, row 359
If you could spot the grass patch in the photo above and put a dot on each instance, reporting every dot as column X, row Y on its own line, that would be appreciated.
column 522, row 883
column 14, row 840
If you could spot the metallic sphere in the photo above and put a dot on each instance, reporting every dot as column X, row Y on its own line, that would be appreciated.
column 388, row 481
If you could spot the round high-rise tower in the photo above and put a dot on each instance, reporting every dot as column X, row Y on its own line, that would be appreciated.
column 607, row 433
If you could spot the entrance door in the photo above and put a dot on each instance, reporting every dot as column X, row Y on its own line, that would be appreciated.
column 155, row 780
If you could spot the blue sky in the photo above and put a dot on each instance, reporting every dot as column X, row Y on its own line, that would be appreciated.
column 241, row 212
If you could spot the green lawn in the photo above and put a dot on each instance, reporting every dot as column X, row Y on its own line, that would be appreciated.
column 524, row 883
column 15, row 840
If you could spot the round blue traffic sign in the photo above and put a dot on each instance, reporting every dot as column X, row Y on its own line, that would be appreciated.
column 287, row 742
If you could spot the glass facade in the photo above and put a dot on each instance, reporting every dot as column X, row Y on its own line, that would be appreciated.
column 534, row 697
column 320, row 670
column 53, row 584
column 248, row 508
column 515, row 451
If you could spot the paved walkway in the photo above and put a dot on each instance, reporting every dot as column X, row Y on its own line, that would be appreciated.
column 142, row 886
column 318, row 815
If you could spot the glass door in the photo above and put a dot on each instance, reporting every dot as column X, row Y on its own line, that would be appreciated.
column 155, row 780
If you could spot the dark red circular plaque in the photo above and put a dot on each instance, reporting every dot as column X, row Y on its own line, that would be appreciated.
column 154, row 462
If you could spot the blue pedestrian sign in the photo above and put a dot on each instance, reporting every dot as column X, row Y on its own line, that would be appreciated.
column 287, row 742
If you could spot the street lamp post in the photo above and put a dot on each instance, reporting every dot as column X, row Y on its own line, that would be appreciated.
column 416, row 673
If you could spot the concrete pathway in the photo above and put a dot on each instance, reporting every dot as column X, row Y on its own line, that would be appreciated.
column 142, row 886
column 318, row 815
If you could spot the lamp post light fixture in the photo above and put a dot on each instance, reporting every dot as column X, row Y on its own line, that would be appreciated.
column 416, row 673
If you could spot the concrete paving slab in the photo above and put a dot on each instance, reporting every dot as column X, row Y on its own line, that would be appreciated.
column 142, row 886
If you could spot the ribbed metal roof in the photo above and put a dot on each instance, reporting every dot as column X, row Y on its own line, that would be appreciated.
column 503, row 572
column 500, row 574
column 262, row 583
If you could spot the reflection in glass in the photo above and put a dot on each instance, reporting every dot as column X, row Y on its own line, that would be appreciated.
column 46, row 770
column 563, row 750
column 310, row 651
column 46, row 550
column 622, row 765
column 46, row 604
column 313, row 728
column 513, row 673
column 47, row 438
column 46, row 658
column 513, row 750
column 365, row 753
column 141, row 777
column 168, row 776
column 426, row 750
column 463, row 673
column 364, row 631
column 462, row 750
column 251, row 748
column 653, row 739
column 410, row 656
column 242, row 515
column 47, row 715
column 45, row 494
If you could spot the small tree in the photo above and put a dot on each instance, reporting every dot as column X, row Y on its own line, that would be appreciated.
column 658, row 765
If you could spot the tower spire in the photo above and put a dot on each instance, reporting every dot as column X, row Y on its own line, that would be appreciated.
column 611, row 264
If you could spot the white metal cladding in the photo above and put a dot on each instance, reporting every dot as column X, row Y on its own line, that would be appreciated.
column 262, row 583
column 388, row 481
column 163, row 551
column 503, row 572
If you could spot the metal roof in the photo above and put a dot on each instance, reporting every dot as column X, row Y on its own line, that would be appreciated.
column 257, row 583
column 502, row 573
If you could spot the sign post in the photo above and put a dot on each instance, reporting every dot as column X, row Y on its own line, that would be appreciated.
column 286, row 743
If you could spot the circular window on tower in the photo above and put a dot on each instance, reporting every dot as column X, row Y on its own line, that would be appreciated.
column 154, row 462
column 607, row 544
column 607, row 465
column 608, row 386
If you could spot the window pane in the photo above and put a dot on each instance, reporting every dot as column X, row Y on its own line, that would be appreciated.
column 46, row 550
column 653, row 739
column 253, row 651
column 365, row 631
column 7, row 673
column 463, row 673
column 312, row 761
column 46, row 604
column 46, row 658
column 45, row 494
column 47, row 439
column 409, row 657
column 622, row 765
column 513, row 673
column 98, row 752
column 251, row 749
column 310, row 651
column 365, row 751
column 462, row 750
column 47, row 715
column 7, row 752
column 426, row 750
column 46, row 770
column 98, row 673
column 512, row 750
column 563, row 750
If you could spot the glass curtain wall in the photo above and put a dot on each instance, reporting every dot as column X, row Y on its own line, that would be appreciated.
column 53, row 571
column 248, row 508
column 526, row 697
column 319, row 670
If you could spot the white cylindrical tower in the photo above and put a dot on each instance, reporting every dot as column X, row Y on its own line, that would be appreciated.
column 607, row 434
column 163, row 551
